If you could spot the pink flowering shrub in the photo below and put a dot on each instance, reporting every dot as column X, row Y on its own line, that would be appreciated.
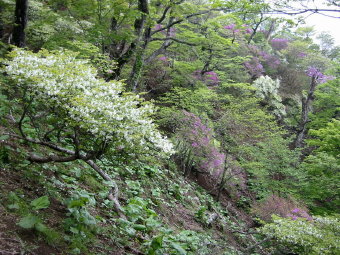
column 210, row 78
column 254, row 67
column 284, row 207
column 316, row 74
column 302, row 55
column 299, row 213
column 199, row 138
column 171, row 30
column 233, row 28
column 270, row 60
column 163, row 58
column 279, row 43
column 157, row 27
column 260, row 62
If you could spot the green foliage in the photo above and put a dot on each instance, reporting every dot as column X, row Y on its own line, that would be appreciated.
column 201, row 215
column 327, row 138
column 326, row 105
column 198, row 101
column 271, row 166
column 244, row 122
column 65, row 98
column 320, row 187
column 319, row 236
column 80, row 224
column 31, row 218
column 40, row 203
column 185, row 243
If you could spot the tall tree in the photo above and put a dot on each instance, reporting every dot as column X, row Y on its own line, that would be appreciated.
column 20, row 23
column 1, row 23
column 316, row 77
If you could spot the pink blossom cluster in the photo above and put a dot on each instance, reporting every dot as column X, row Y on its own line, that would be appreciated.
column 279, row 43
column 200, row 138
column 302, row 54
column 318, row 75
column 271, row 60
column 261, row 59
column 299, row 213
column 163, row 58
column 254, row 67
column 171, row 30
column 211, row 77
column 234, row 29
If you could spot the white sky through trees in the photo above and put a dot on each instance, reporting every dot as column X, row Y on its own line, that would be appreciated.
column 328, row 21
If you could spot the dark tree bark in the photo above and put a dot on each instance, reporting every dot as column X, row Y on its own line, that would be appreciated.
column 141, row 44
column 270, row 30
column 1, row 25
column 306, row 109
column 256, row 27
column 20, row 23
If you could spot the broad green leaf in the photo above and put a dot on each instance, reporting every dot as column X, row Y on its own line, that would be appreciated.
column 131, row 231
column 14, row 206
column 28, row 221
column 4, row 137
column 178, row 248
column 40, row 203
column 139, row 227
column 41, row 227
column 156, row 244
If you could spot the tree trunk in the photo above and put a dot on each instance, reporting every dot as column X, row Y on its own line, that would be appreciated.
column 255, row 29
column 223, row 179
column 271, row 29
column 20, row 23
column 1, row 25
column 306, row 109
column 141, row 32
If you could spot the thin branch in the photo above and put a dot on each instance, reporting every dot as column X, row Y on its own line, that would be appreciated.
column 23, row 115
column 257, row 244
column 327, row 15
column 163, row 15
column 76, row 141
column 159, row 51
column 301, row 11
column 243, row 232
column 187, row 17
column 114, row 192
column 173, row 39
column 52, row 158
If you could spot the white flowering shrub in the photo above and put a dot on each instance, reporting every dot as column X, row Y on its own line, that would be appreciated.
column 309, row 237
column 268, row 90
column 101, row 110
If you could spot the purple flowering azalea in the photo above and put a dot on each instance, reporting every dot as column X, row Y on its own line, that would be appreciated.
column 302, row 54
column 163, row 58
column 279, row 43
column 318, row 75
column 230, row 27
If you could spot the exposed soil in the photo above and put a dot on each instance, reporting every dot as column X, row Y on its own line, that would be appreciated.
column 13, row 239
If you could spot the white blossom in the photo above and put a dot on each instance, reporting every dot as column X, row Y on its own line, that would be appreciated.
column 102, row 108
